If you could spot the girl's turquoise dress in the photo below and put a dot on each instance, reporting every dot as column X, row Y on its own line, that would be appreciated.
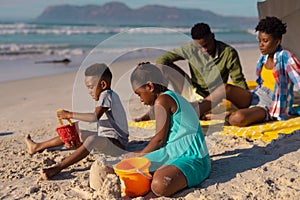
column 185, row 147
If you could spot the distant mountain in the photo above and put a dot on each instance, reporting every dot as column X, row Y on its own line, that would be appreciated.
column 115, row 13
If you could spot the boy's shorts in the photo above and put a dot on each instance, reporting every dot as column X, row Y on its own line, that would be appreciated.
column 262, row 97
column 102, row 144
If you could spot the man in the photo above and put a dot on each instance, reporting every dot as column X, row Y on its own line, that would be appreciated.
column 211, row 63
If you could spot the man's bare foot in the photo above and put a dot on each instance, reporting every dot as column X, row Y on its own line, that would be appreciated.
column 31, row 145
column 49, row 172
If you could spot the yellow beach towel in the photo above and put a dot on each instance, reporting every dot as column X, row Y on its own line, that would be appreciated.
column 264, row 132
column 144, row 124
column 151, row 124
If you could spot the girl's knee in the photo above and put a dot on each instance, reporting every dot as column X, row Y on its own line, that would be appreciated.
column 159, row 185
column 168, row 180
column 238, row 119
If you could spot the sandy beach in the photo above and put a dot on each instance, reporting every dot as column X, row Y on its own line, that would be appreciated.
column 241, row 169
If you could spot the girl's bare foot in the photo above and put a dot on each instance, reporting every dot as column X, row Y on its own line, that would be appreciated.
column 31, row 145
column 49, row 172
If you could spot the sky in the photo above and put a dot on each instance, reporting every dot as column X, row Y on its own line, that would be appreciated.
column 30, row 9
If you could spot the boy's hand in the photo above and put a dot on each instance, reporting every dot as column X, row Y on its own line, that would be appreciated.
column 63, row 114
column 72, row 145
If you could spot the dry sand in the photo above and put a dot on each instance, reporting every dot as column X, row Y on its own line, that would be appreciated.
column 240, row 169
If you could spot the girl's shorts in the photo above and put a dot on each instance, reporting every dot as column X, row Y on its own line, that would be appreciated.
column 262, row 97
column 195, row 170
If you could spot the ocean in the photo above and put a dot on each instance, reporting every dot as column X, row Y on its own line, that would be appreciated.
column 25, row 48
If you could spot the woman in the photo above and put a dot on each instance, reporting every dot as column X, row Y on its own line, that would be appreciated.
column 277, row 72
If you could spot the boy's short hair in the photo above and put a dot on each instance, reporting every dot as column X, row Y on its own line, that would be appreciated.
column 200, row 30
column 99, row 69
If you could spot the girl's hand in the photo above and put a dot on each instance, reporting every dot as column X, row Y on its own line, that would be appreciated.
column 132, row 155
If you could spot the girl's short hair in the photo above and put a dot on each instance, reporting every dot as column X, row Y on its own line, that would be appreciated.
column 272, row 26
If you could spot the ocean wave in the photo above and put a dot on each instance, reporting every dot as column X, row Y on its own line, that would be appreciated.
column 83, row 32
column 54, row 39
column 74, row 31
column 16, row 26
column 67, row 29
column 25, row 29
column 107, row 30
column 227, row 30
column 47, row 49
column 60, row 31
column 65, row 49
column 245, row 45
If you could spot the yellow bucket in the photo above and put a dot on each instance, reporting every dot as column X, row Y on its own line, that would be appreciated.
column 134, row 176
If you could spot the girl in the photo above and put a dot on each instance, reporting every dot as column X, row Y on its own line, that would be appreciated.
column 277, row 72
column 178, row 153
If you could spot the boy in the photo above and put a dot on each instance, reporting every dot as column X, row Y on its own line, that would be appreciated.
column 113, row 130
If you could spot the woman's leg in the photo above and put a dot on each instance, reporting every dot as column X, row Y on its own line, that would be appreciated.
column 247, row 116
column 34, row 147
column 167, row 180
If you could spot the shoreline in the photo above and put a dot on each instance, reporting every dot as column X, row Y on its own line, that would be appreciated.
column 32, row 66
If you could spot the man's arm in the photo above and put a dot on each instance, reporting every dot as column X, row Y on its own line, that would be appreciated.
column 169, row 58
column 235, row 70
column 173, row 73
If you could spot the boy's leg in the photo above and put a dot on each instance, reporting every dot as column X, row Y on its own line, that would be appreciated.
column 109, row 146
column 80, row 153
column 34, row 147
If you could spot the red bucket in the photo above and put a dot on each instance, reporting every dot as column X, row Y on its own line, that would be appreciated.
column 69, row 132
